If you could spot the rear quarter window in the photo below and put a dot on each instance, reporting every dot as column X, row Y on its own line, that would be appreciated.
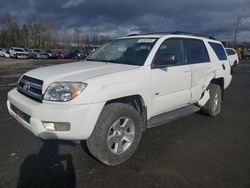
column 196, row 51
column 219, row 50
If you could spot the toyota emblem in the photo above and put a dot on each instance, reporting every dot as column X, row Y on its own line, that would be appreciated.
column 26, row 87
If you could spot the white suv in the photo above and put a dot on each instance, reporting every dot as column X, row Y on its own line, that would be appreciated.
column 233, row 59
column 18, row 53
column 125, row 86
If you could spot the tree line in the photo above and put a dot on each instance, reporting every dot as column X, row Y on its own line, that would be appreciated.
column 36, row 32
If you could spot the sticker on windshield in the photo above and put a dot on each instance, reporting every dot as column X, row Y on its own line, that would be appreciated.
column 121, row 49
column 145, row 40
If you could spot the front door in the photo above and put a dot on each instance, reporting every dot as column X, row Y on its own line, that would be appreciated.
column 171, row 85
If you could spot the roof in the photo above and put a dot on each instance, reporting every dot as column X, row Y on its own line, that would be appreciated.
column 160, row 34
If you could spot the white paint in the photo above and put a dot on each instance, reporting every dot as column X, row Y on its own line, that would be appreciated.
column 204, row 99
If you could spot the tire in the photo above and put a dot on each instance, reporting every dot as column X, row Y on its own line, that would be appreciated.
column 110, row 142
column 213, row 106
column 234, row 67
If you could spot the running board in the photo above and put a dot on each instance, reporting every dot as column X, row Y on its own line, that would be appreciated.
column 172, row 115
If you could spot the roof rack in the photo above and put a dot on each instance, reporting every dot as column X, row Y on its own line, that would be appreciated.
column 192, row 34
column 176, row 33
column 133, row 34
column 156, row 33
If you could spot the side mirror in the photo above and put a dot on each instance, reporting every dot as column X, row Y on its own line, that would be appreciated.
column 164, row 60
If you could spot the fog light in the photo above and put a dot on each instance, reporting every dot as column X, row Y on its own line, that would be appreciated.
column 56, row 126
column 49, row 126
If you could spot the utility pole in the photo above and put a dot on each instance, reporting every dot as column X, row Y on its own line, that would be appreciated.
column 236, row 31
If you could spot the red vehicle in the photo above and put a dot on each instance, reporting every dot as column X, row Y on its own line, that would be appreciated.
column 62, row 55
column 68, row 54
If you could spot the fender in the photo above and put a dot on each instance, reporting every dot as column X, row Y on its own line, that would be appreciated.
column 208, row 80
column 124, row 89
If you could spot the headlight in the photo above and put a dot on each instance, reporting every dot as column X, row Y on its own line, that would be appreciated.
column 63, row 91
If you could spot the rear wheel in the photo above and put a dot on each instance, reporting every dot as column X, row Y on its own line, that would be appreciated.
column 234, row 67
column 213, row 105
column 116, row 135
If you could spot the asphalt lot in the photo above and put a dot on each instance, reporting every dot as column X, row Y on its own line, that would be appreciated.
column 197, row 151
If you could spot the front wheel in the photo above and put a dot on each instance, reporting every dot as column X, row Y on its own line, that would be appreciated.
column 213, row 105
column 116, row 135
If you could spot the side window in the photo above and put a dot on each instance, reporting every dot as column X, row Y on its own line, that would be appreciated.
column 233, row 52
column 196, row 51
column 172, row 47
column 219, row 50
column 230, row 52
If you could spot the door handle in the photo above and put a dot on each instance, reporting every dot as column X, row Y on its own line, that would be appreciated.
column 187, row 71
column 223, row 66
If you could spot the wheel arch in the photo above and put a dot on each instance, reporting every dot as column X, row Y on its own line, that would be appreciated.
column 220, row 82
column 137, row 102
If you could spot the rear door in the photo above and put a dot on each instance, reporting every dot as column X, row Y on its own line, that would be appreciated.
column 198, row 59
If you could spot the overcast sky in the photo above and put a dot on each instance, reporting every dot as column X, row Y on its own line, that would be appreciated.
column 121, row 17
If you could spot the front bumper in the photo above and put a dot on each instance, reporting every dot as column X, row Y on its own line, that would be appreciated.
column 82, row 118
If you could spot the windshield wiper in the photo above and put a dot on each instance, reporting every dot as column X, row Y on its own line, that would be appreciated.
column 90, row 60
column 110, row 61
column 102, row 60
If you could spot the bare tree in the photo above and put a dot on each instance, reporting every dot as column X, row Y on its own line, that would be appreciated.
column 10, row 34
column 42, row 33
column 77, row 36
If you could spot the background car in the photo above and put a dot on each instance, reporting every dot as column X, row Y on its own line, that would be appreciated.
column 233, row 58
column 6, row 53
column 18, row 53
column 51, row 54
column 82, row 54
column 38, row 54
column 67, row 54
column 247, row 54
column 62, row 54
column 1, row 52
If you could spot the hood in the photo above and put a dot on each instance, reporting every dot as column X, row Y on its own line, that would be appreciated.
column 77, row 71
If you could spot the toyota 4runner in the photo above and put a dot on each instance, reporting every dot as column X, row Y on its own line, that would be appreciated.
column 127, row 85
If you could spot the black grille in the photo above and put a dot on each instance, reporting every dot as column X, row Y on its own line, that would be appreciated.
column 31, row 88
column 20, row 113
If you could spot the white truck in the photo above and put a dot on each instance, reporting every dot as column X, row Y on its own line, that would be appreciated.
column 127, row 85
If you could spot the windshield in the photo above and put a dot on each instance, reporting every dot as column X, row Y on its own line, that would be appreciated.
column 130, row 51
